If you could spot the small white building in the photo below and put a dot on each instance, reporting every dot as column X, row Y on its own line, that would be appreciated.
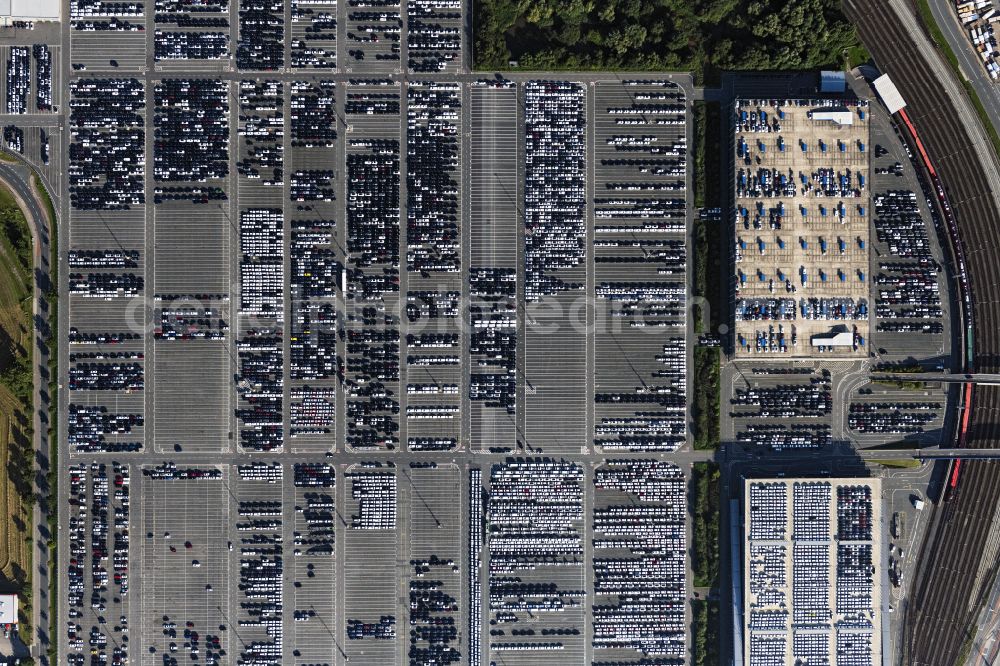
column 8, row 609
column 30, row 10
column 839, row 116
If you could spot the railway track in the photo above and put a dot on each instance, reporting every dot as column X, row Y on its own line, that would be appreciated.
column 947, row 589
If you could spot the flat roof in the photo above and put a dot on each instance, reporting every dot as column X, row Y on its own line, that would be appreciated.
column 888, row 93
column 38, row 10
column 813, row 556
column 836, row 339
column 8, row 609
column 831, row 81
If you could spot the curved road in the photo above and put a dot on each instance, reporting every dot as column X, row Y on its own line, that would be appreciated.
column 972, row 67
column 17, row 178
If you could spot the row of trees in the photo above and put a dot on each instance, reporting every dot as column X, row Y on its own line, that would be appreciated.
column 661, row 34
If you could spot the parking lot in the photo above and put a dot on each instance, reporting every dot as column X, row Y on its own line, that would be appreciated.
column 494, row 239
column 105, row 36
column 314, row 599
column 801, row 227
column 374, row 30
column 374, row 280
column 98, row 583
column 639, row 571
column 555, row 345
column 640, row 352
column 433, row 263
column 184, row 532
column 192, row 40
column 780, row 407
column 436, row 570
column 911, row 293
column 314, row 34
column 269, row 278
column 537, row 589
column 374, row 629
column 434, row 30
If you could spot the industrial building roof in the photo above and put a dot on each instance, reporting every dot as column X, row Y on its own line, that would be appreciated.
column 832, row 82
column 34, row 10
column 8, row 609
column 812, row 591
column 888, row 93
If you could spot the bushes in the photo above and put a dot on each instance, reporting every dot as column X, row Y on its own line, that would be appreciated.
column 705, row 409
column 705, row 560
column 705, row 632
column 707, row 233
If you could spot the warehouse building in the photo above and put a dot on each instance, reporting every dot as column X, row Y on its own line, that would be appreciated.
column 812, row 587
column 23, row 10
column 801, row 228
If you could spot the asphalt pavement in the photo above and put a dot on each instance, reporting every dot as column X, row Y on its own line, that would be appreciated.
column 972, row 67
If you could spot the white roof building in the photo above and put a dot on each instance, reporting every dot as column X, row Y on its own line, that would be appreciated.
column 839, row 116
column 8, row 609
column 30, row 10
column 888, row 93
column 812, row 563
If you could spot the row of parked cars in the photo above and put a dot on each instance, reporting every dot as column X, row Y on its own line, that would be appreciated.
column 493, row 337
column 260, row 383
column 96, row 429
column 314, row 34
column 104, row 508
column 892, row 417
column 261, row 44
column 640, row 262
column 372, row 275
column 373, row 32
column 783, row 401
column 261, row 130
column 107, row 145
column 316, row 269
column 191, row 120
column 433, row 34
column 18, row 79
column 191, row 32
column 105, row 285
column 433, row 612
column 13, row 139
column 782, row 436
column 908, row 298
column 312, row 410
column 260, row 527
column 375, row 495
column 317, row 509
column 433, row 262
column 535, row 515
column 639, row 563
column 554, row 185
column 190, row 45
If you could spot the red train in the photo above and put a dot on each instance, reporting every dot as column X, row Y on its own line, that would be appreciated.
column 966, row 403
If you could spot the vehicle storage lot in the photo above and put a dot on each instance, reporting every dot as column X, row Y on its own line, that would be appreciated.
column 907, row 266
column 779, row 407
column 494, row 240
column 373, row 623
column 282, row 325
column 177, row 512
column 640, row 351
